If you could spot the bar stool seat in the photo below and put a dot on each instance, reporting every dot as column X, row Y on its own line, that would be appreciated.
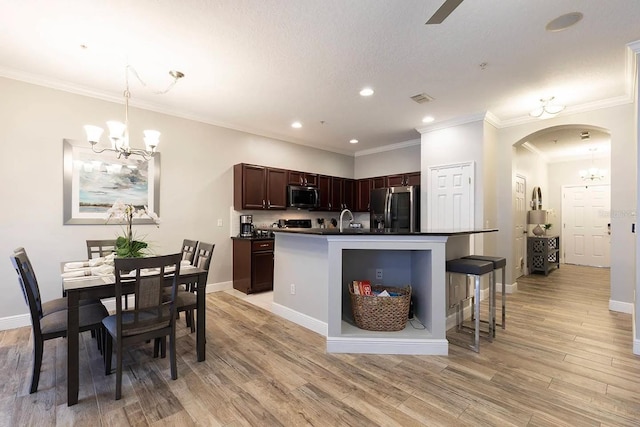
column 498, row 263
column 475, row 269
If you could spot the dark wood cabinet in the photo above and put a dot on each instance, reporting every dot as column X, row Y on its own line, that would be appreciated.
column 259, row 187
column 302, row 178
column 412, row 178
column 343, row 194
column 378, row 182
column 363, row 194
column 335, row 203
column 324, row 188
column 263, row 188
column 276, row 186
column 253, row 265
column 349, row 194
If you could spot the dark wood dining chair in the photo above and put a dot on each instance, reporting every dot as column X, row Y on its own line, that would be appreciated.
column 153, row 313
column 189, row 250
column 49, row 319
column 100, row 248
column 187, row 299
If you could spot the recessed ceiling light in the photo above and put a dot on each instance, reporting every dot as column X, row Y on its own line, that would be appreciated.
column 563, row 22
column 367, row 91
column 296, row 125
column 353, row 141
column 427, row 119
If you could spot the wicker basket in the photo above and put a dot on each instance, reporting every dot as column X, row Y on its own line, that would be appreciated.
column 374, row 313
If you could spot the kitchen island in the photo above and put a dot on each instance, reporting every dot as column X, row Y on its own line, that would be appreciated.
column 314, row 266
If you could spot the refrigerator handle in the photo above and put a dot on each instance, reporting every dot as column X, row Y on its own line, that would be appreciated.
column 387, row 210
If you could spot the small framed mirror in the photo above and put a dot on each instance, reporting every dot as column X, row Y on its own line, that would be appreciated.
column 536, row 199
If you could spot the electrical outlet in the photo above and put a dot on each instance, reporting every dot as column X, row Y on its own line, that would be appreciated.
column 293, row 289
column 219, row 223
column 378, row 274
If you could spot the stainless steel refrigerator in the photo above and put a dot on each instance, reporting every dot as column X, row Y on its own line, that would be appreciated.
column 395, row 208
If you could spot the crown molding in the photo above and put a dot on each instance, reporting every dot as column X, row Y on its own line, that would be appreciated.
column 453, row 122
column 55, row 84
column 385, row 148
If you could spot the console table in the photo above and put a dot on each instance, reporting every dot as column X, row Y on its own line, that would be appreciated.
column 543, row 253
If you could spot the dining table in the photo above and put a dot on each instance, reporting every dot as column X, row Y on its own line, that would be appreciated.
column 91, row 287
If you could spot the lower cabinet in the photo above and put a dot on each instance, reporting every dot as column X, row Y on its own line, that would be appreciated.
column 252, row 265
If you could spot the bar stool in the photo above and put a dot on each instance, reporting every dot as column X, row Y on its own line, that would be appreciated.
column 498, row 263
column 475, row 269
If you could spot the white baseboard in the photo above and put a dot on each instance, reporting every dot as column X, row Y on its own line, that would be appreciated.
column 620, row 306
column 301, row 319
column 509, row 289
column 13, row 322
column 372, row 345
column 636, row 340
column 21, row 320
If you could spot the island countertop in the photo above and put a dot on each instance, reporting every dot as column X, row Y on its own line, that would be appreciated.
column 381, row 232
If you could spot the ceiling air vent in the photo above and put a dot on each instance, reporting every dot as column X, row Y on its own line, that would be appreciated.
column 421, row 98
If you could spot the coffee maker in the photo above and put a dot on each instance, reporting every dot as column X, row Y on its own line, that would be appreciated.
column 246, row 225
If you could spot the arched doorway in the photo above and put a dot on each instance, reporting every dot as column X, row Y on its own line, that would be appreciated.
column 554, row 159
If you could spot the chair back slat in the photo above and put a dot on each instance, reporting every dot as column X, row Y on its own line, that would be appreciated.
column 29, row 287
column 153, row 309
column 203, row 255
column 100, row 248
column 189, row 249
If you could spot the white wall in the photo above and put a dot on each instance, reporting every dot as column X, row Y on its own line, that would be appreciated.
column 456, row 144
column 399, row 160
column 196, row 181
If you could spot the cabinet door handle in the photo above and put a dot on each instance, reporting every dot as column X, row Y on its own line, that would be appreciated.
column 269, row 203
column 263, row 204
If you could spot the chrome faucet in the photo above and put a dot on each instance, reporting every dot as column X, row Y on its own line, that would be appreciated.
column 342, row 214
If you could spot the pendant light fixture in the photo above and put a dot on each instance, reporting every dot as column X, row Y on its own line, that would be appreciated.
column 119, row 132
column 593, row 173
column 547, row 109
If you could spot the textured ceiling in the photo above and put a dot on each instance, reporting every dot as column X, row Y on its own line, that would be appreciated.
column 258, row 65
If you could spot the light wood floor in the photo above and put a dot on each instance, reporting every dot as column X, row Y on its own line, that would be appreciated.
column 564, row 359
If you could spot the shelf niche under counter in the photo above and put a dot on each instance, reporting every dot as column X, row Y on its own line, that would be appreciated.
column 399, row 269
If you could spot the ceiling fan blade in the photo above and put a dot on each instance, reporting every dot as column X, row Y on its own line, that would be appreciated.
column 445, row 10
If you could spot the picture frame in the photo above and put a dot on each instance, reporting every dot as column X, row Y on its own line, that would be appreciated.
column 93, row 182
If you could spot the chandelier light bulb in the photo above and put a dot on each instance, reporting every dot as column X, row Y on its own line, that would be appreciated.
column 93, row 133
column 151, row 139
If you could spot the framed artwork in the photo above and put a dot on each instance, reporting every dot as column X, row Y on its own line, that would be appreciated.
column 93, row 182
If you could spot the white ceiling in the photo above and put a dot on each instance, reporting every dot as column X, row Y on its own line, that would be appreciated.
column 258, row 65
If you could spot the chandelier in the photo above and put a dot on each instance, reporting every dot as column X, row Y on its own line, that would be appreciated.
column 593, row 172
column 547, row 109
column 119, row 132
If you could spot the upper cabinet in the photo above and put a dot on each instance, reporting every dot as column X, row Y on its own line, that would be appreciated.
column 404, row 179
column 302, row 178
column 324, row 188
column 343, row 192
column 259, row 187
column 263, row 188
column 363, row 194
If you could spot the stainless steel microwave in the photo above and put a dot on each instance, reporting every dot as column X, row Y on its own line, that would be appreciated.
column 302, row 197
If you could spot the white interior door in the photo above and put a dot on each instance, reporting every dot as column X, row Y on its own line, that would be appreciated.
column 586, row 219
column 520, row 233
column 450, row 197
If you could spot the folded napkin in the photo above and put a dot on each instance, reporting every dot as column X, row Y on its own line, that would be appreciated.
column 101, row 270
